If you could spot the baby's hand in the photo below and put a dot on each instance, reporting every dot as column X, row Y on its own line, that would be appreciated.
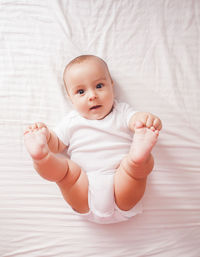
column 36, row 127
column 148, row 120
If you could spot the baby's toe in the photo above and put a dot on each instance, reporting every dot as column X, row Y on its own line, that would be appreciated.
column 152, row 128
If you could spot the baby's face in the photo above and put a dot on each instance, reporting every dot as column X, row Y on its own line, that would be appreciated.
column 90, row 88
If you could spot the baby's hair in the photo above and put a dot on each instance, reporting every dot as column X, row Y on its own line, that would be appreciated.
column 82, row 58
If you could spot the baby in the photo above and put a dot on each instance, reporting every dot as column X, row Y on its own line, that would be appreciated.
column 108, row 143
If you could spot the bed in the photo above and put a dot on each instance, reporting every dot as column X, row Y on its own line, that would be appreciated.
column 153, row 51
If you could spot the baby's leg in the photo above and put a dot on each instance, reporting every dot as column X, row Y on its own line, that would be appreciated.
column 71, row 180
column 130, row 178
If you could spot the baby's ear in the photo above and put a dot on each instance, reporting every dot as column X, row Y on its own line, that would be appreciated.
column 112, row 82
column 70, row 99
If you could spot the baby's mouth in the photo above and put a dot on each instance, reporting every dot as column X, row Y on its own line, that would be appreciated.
column 95, row 107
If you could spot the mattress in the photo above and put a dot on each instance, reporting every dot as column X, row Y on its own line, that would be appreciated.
column 153, row 51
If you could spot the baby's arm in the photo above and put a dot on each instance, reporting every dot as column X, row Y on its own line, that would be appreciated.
column 54, row 143
column 147, row 119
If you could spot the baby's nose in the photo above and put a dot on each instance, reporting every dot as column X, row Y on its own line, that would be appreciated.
column 92, row 95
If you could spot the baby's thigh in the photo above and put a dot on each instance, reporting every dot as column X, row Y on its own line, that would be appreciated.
column 74, row 187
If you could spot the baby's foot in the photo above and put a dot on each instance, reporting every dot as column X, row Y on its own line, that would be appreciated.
column 36, row 143
column 143, row 141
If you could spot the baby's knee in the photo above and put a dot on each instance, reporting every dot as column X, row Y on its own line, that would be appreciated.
column 137, row 170
column 73, row 175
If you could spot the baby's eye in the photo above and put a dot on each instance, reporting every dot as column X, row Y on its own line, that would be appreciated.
column 80, row 91
column 100, row 85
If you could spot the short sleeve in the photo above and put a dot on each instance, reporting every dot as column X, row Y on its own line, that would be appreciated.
column 62, row 130
column 127, row 112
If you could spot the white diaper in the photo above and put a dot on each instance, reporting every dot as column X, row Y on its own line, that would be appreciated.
column 103, row 208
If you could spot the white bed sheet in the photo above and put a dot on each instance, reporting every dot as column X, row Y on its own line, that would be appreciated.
column 153, row 51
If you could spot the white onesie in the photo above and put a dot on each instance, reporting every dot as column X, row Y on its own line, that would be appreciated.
column 98, row 146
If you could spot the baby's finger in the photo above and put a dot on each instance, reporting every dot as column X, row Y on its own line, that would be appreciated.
column 40, row 125
column 149, row 122
column 157, row 124
column 27, row 130
column 31, row 127
column 152, row 128
column 160, row 126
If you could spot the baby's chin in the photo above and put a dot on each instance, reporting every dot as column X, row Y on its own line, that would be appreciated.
column 95, row 116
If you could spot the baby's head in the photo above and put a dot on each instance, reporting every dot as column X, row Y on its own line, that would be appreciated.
column 89, row 86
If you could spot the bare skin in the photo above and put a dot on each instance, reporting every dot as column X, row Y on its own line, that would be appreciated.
column 130, row 177
column 90, row 90
column 42, row 146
